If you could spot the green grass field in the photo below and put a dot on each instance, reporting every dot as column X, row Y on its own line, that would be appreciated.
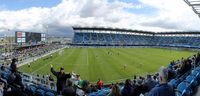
column 94, row 63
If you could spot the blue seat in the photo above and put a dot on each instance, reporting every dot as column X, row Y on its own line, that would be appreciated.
column 5, row 75
column 93, row 94
column 102, row 92
column 31, row 89
column 196, row 73
column 191, row 80
column 183, row 89
column 49, row 94
column 197, row 68
column 39, row 92
column 173, row 83
column 106, row 91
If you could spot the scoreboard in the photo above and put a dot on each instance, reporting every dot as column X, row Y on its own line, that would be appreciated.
column 29, row 37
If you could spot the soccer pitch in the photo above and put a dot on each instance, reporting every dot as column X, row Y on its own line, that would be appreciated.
column 107, row 63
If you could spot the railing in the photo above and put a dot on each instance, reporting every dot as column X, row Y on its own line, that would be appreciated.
column 40, row 81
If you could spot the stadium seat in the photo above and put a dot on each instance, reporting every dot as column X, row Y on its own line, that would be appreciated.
column 196, row 73
column 127, row 39
column 105, row 91
column 197, row 68
column 93, row 94
column 4, row 76
column 49, row 94
column 191, row 80
column 102, row 92
column 183, row 89
column 173, row 83
column 39, row 92
column 31, row 89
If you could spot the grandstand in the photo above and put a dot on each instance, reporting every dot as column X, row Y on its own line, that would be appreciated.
column 88, row 36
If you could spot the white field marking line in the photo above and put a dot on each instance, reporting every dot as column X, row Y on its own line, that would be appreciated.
column 39, row 68
column 36, row 58
column 43, row 66
column 87, row 57
column 88, row 62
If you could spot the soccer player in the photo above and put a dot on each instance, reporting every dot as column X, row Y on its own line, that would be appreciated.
column 125, row 66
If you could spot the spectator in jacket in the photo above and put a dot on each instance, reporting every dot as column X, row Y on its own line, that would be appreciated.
column 61, row 78
column 128, row 88
column 13, row 65
column 114, row 91
column 69, row 89
column 83, row 88
column 150, row 83
column 162, row 89
column 99, row 84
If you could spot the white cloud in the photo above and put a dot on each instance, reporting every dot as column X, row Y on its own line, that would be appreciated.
column 174, row 12
column 170, row 15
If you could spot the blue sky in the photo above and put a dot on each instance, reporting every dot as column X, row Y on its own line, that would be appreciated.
column 23, row 4
column 144, row 10
column 141, row 8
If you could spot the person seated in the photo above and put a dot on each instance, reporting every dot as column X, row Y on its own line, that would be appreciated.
column 128, row 88
column 1, row 88
column 186, row 66
column 93, row 88
column 83, row 88
column 15, row 80
column 150, row 83
column 69, row 89
column 140, row 87
column 162, row 89
column 115, row 91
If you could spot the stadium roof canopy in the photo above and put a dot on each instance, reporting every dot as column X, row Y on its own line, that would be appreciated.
column 133, row 31
column 195, row 4
column 112, row 29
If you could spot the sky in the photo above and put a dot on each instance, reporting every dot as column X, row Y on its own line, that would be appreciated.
column 58, row 16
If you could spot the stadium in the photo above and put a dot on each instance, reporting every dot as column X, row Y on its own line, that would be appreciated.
column 101, row 61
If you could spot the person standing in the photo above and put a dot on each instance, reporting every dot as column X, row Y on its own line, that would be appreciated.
column 13, row 65
column 61, row 78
